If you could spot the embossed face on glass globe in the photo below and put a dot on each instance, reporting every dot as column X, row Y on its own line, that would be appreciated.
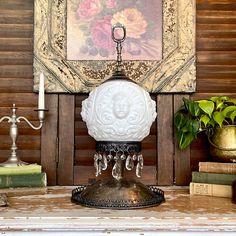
column 121, row 106
column 119, row 110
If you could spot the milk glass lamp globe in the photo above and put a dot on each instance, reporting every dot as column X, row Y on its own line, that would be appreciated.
column 118, row 115
column 119, row 110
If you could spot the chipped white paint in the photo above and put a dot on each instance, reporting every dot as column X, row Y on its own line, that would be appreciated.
column 181, row 214
column 117, row 233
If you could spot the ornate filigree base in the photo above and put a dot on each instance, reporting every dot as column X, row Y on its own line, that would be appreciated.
column 121, row 155
column 117, row 194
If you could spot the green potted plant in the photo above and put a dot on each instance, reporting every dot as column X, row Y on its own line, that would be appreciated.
column 215, row 116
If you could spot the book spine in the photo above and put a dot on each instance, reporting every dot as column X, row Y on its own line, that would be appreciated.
column 215, row 190
column 213, row 178
column 217, row 167
column 28, row 180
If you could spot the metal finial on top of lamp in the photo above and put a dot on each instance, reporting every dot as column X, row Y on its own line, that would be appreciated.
column 118, row 115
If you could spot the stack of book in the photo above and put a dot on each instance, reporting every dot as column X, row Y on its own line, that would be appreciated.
column 27, row 178
column 213, row 179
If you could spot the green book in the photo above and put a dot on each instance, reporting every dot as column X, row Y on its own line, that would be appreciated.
column 23, row 180
column 213, row 178
column 17, row 170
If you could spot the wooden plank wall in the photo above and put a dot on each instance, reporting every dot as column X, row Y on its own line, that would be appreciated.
column 216, row 71
column 216, row 58
column 16, row 57
column 63, row 146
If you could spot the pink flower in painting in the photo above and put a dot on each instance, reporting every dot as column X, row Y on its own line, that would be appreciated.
column 88, row 9
column 101, row 34
column 110, row 3
column 133, row 20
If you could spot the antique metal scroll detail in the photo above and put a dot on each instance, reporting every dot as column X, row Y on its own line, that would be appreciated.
column 157, row 198
column 120, row 154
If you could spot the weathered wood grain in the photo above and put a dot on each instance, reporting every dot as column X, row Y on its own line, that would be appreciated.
column 216, row 30
column 16, row 44
column 216, row 16
column 24, row 142
column 16, row 30
column 19, row 71
column 49, row 140
column 17, row 4
column 213, row 86
column 165, row 146
column 16, row 58
column 17, row 85
column 55, row 214
column 216, row 58
column 66, row 140
column 216, row 44
column 182, row 168
column 19, row 99
column 14, row 16
column 216, row 5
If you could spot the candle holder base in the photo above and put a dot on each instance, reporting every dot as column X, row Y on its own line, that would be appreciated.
column 14, row 160
column 10, row 163
column 118, row 194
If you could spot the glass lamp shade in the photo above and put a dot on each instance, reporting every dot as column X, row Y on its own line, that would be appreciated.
column 119, row 110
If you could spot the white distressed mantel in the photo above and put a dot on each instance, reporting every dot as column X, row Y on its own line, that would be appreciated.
column 181, row 214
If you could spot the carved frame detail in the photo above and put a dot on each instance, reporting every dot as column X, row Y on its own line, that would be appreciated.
column 176, row 72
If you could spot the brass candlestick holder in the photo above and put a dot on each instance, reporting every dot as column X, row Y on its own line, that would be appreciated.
column 14, row 160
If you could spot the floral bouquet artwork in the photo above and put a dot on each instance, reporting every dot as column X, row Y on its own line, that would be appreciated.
column 89, row 25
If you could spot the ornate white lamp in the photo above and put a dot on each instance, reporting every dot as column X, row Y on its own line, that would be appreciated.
column 118, row 115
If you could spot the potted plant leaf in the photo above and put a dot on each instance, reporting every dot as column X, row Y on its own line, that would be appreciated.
column 215, row 116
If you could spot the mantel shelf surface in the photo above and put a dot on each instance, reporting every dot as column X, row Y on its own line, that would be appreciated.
column 54, row 212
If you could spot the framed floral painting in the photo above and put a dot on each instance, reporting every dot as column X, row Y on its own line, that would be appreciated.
column 89, row 29
column 74, row 48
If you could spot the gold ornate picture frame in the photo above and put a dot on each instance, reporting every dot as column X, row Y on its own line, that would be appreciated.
column 175, row 72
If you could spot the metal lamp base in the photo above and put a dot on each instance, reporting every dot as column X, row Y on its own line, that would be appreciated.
column 117, row 194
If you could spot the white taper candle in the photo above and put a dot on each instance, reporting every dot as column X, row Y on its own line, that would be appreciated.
column 41, row 102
